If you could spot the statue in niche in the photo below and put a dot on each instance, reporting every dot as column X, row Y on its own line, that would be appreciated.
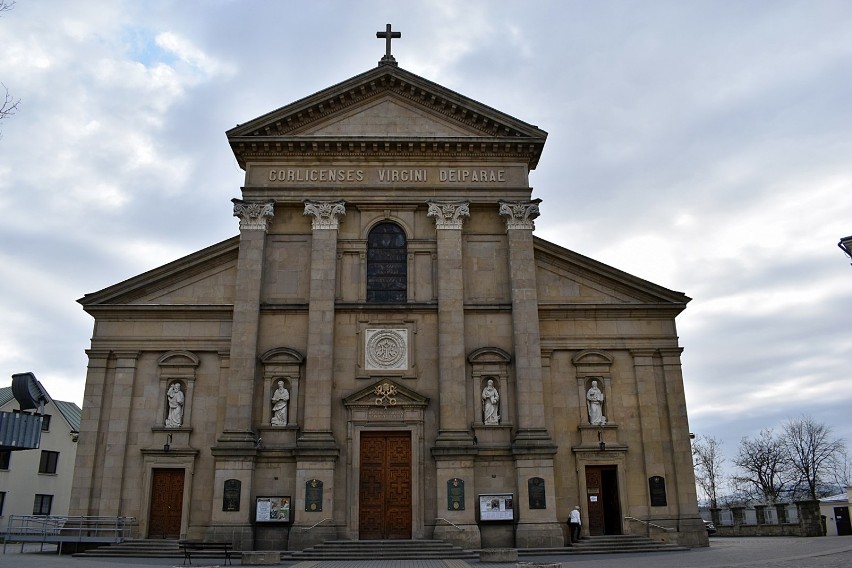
column 174, row 419
column 594, row 401
column 490, row 406
column 280, row 401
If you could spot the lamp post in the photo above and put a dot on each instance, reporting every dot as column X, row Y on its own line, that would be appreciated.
column 845, row 245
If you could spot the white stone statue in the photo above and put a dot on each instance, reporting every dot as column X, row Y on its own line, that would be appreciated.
column 174, row 419
column 594, row 400
column 280, row 402
column 490, row 406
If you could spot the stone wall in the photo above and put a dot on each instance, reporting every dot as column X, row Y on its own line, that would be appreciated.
column 809, row 523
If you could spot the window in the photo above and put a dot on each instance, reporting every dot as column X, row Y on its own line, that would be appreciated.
column 42, row 504
column 48, row 462
column 5, row 458
column 387, row 264
column 2, row 501
column 45, row 423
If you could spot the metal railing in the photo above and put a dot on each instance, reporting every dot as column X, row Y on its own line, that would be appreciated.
column 449, row 522
column 649, row 524
column 47, row 529
column 316, row 525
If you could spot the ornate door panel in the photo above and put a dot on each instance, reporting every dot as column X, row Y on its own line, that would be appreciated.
column 384, row 501
column 166, row 503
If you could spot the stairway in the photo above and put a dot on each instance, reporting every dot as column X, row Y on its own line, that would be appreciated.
column 146, row 548
column 383, row 550
column 609, row 544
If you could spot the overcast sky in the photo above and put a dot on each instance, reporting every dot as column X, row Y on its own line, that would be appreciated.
column 704, row 146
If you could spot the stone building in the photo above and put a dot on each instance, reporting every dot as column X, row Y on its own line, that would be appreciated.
column 385, row 351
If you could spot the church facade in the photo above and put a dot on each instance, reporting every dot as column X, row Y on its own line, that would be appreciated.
column 386, row 351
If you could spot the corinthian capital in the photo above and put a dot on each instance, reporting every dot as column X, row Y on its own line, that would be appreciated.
column 325, row 213
column 520, row 214
column 448, row 214
column 254, row 214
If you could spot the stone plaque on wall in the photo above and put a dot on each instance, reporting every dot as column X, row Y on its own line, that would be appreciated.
column 231, row 495
column 535, row 487
column 657, row 488
column 455, row 494
column 313, row 495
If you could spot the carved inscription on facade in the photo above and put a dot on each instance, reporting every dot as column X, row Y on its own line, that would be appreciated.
column 386, row 349
column 369, row 175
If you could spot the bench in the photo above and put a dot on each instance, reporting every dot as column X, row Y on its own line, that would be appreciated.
column 190, row 546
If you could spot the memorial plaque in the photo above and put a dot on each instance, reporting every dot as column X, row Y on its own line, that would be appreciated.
column 535, row 487
column 231, row 495
column 313, row 495
column 657, row 488
column 455, row 494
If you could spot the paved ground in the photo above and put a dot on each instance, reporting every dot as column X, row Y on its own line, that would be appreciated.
column 760, row 552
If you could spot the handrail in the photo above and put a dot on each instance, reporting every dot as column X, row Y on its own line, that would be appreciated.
column 58, row 529
column 449, row 521
column 315, row 525
column 650, row 524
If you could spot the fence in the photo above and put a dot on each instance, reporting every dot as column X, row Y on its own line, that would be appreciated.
column 789, row 519
column 62, row 530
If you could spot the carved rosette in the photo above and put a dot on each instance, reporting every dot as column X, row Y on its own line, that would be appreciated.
column 254, row 215
column 386, row 349
column 520, row 214
column 325, row 213
column 448, row 214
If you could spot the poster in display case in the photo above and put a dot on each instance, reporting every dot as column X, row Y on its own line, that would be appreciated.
column 496, row 507
column 272, row 509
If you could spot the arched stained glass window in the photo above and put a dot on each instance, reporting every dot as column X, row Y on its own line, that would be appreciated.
column 387, row 267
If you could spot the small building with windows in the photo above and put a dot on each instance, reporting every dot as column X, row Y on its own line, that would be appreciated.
column 385, row 350
column 38, row 482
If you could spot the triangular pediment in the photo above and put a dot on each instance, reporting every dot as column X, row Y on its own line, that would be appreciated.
column 389, row 115
column 386, row 109
column 386, row 393
column 565, row 277
column 203, row 278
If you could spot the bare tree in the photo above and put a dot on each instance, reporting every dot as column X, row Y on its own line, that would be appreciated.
column 764, row 466
column 9, row 105
column 813, row 452
column 707, row 458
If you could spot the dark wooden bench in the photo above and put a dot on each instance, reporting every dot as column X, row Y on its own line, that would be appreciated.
column 190, row 546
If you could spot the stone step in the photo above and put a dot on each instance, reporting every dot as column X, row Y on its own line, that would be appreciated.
column 383, row 549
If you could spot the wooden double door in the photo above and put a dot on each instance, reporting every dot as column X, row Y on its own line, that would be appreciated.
column 384, row 489
column 602, row 501
column 166, row 503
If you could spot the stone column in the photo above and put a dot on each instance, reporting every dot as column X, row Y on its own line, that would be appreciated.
column 254, row 221
column 532, row 446
column 454, row 449
column 453, row 428
column 781, row 512
column 235, row 449
column 317, row 450
column 319, row 365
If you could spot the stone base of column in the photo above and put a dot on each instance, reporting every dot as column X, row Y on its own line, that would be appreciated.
column 240, row 536
column 317, row 444
column 237, row 439
column 535, row 441
column 454, row 439
column 539, row 535
column 465, row 536
column 302, row 537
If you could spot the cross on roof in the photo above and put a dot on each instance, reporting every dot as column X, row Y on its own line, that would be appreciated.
column 388, row 35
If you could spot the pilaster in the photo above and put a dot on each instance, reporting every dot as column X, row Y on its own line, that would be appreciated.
column 116, row 435
column 82, row 494
column 649, row 413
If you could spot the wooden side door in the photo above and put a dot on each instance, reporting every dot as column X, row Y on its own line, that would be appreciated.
column 602, row 500
column 384, row 490
column 594, row 500
column 166, row 503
